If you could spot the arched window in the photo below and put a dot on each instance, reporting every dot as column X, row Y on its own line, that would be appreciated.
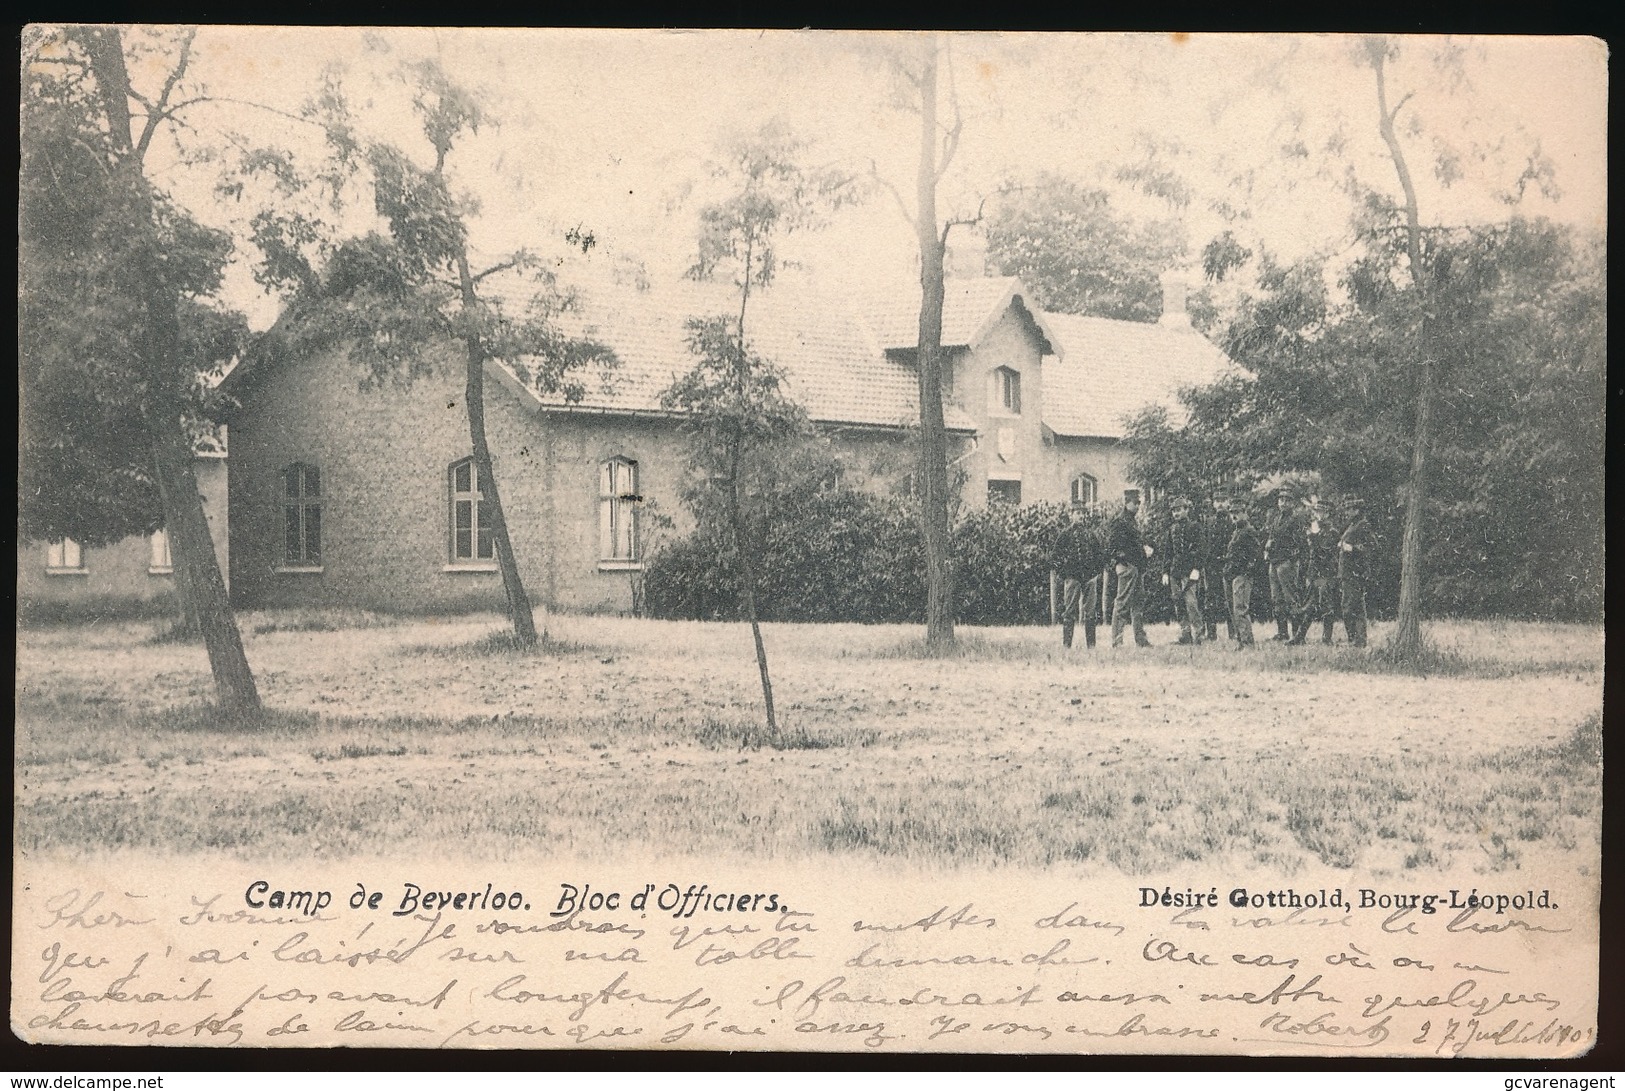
column 302, row 514
column 1005, row 396
column 471, row 535
column 1085, row 490
column 618, row 500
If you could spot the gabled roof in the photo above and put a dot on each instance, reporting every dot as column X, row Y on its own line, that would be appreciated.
column 832, row 363
column 847, row 363
column 970, row 308
column 1111, row 369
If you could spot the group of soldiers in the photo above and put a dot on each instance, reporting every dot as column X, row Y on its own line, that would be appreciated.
column 1313, row 571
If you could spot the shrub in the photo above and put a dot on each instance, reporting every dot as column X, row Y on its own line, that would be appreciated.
column 831, row 554
column 837, row 554
column 1002, row 553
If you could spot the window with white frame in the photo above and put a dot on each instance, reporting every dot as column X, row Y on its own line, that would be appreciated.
column 64, row 557
column 472, row 537
column 160, row 563
column 1006, row 392
column 302, row 515
column 1085, row 490
column 618, row 501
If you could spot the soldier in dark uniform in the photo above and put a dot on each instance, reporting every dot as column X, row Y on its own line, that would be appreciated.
column 1184, row 560
column 1215, row 588
column 1128, row 554
column 1242, row 558
column 1286, row 539
column 1354, row 550
column 1321, row 557
column 1077, row 558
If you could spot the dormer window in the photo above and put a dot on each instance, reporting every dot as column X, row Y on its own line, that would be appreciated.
column 1006, row 392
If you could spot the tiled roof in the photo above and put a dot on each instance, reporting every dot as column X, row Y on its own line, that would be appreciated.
column 835, row 357
column 969, row 307
column 1111, row 369
column 833, row 365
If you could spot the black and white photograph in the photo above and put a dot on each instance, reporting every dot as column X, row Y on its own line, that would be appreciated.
column 862, row 542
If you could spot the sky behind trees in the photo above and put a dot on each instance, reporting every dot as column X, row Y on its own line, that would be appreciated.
column 610, row 131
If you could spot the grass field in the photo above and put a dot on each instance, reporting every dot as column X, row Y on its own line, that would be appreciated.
column 404, row 736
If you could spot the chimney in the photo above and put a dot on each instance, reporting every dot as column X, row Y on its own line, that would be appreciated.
column 1174, row 287
column 967, row 253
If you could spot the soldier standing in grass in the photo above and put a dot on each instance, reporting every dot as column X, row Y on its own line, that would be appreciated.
column 1215, row 588
column 1354, row 569
column 1182, row 553
column 1077, row 558
column 1321, row 554
column 1242, row 557
column 1286, row 538
column 1129, row 553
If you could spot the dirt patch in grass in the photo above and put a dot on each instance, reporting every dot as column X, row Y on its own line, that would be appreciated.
column 500, row 643
column 748, row 735
column 323, row 620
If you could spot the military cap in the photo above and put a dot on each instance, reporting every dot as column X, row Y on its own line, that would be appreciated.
column 1130, row 494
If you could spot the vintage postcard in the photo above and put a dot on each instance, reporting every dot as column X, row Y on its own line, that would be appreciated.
column 865, row 542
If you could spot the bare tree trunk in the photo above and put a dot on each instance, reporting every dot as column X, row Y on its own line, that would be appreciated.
column 1407, row 639
column 736, row 513
column 192, row 553
column 187, row 625
column 160, row 340
column 520, row 614
column 747, row 585
column 933, row 466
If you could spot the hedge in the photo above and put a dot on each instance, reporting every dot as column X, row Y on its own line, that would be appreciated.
column 847, row 555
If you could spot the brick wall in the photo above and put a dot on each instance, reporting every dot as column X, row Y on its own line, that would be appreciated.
column 384, row 457
column 1008, row 344
column 118, row 578
column 1106, row 460
column 1044, row 463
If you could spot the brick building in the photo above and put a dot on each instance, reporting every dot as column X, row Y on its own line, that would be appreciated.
column 132, row 576
column 342, row 495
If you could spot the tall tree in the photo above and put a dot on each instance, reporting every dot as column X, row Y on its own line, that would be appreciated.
column 733, row 398
column 116, row 274
column 922, row 84
column 1407, row 640
column 1078, row 254
column 937, row 149
column 396, row 301
column 1517, row 311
